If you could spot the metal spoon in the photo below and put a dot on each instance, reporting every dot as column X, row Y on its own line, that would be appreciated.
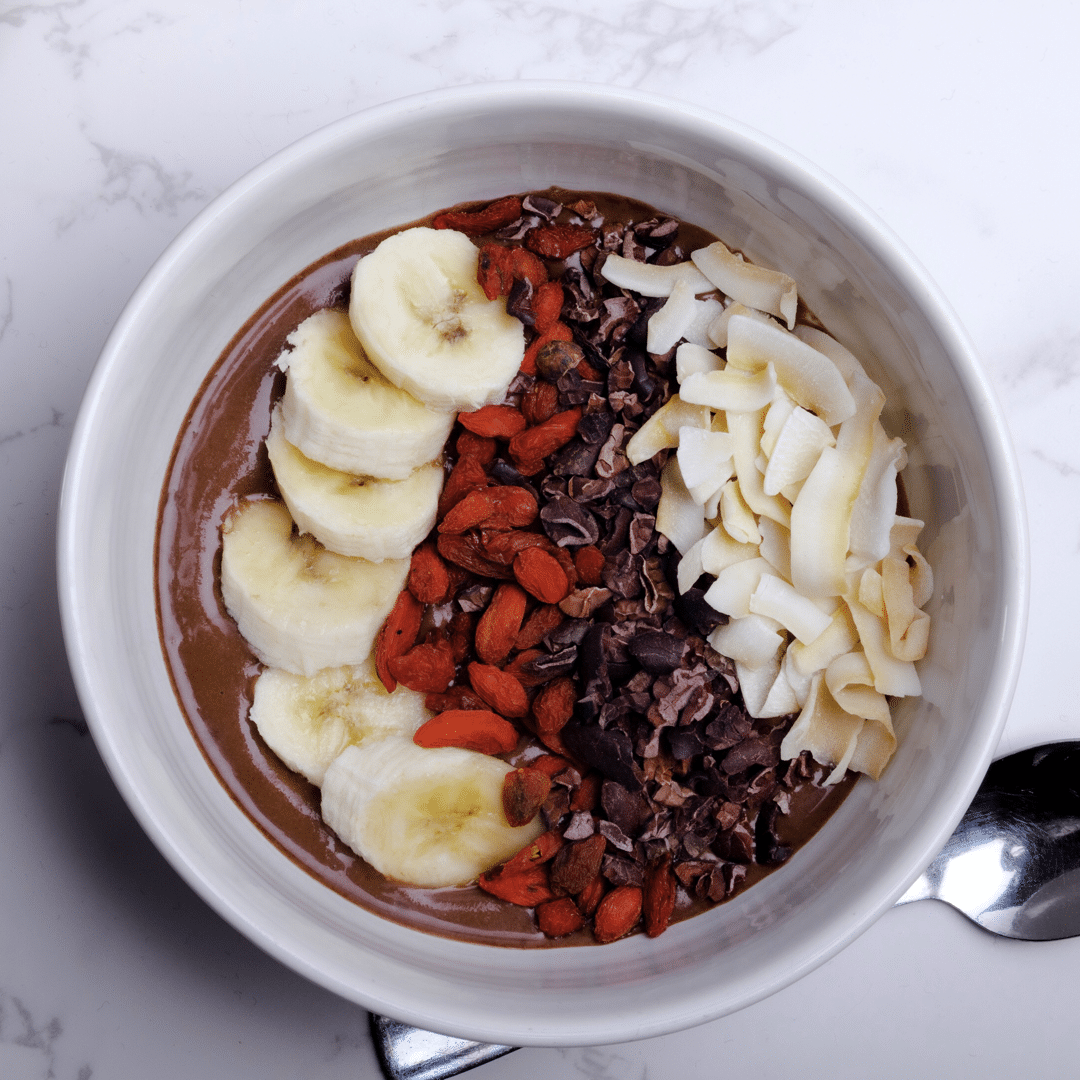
column 1012, row 866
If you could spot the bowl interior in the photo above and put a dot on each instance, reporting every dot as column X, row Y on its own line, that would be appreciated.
column 392, row 165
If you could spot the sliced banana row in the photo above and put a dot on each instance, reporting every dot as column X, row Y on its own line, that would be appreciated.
column 783, row 487
column 355, row 447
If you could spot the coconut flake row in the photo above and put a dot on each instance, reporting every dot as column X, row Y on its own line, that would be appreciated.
column 783, row 488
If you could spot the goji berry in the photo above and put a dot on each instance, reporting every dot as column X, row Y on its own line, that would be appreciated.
column 540, row 574
column 547, row 306
column 617, row 913
column 508, row 507
column 465, row 551
column 557, row 918
column 540, row 402
column 545, row 438
column 524, row 264
column 535, row 853
column 480, row 447
column 587, row 796
column 588, row 900
column 494, row 421
column 428, row 579
column 554, row 705
column 499, row 689
column 455, row 697
column 467, row 475
column 499, row 625
column 427, row 669
column 477, row 222
column 526, row 887
column 559, row 241
column 468, row 729
column 538, row 625
column 659, row 895
column 503, row 546
column 524, row 792
column 589, row 562
column 397, row 636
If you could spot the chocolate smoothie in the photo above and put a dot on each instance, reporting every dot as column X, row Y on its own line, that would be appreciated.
column 220, row 459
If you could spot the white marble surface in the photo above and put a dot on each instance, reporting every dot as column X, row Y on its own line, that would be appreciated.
column 956, row 122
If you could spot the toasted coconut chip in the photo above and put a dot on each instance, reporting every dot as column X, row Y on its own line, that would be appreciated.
column 846, row 362
column 756, row 286
column 704, row 461
column 731, row 389
column 909, row 628
column 661, row 430
column 693, row 359
column 678, row 517
column 776, row 599
column 775, row 417
column 902, row 541
column 798, row 682
column 736, row 517
column 840, row 637
column 892, row 677
column 719, row 551
column 730, row 592
column 810, row 377
column 753, row 640
column 706, row 312
column 719, row 326
column 825, row 729
column 690, row 568
column 652, row 280
column 874, row 511
column 746, row 428
column 876, row 745
column 821, row 517
column 766, row 693
column 776, row 546
column 669, row 325
column 870, row 594
column 851, row 683
column 905, row 531
column 798, row 446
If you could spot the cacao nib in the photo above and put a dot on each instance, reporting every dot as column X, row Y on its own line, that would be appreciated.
column 567, row 523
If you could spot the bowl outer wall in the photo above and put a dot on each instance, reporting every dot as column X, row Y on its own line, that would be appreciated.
column 324, row 190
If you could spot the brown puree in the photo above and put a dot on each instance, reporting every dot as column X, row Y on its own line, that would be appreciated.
column 219, row 459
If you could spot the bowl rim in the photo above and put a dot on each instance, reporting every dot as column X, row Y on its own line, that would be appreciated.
column 885, row 246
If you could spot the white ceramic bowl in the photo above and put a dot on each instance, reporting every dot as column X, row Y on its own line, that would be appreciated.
column 396, row 163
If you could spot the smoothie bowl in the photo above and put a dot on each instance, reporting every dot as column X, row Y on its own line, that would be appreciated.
column 386, row 169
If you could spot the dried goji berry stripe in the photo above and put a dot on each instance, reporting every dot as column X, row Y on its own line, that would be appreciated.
column 477, row 222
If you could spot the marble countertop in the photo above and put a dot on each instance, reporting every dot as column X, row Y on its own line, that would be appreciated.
column 956, row 122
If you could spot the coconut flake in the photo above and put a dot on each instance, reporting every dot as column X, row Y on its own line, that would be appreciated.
column 798, row 446
column 718, row 327
column 736, row 516
column 678, row 517
column 730, row 592
column 752, row 640
column 692, row 359
column 661, row 430
column 669, row 325
column 776, row 599
column 731, row 389
column 825, row 729
column 851, row 683
column 748, row 283
column 809, row 376
column 652, row 280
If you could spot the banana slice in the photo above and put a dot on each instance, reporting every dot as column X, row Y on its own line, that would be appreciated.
column 362, row 516
column 299, row 606
column 424, row 320
column 307, row 722
column 339, row 410
column 426, row 817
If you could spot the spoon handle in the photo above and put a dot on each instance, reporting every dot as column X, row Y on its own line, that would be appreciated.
column 410, row 1053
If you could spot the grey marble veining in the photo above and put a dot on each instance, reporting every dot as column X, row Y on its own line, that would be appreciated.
column 122, row 119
